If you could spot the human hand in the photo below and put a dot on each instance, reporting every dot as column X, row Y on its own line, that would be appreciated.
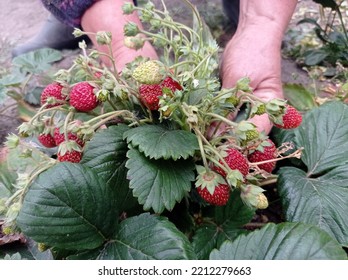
column 248, row 55
column 107, row 15
column 254, row 50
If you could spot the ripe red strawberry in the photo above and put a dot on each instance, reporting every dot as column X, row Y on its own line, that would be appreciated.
column 173, row 85
column 291, row 119
column 236, row 161
column 269, row 152
column 71, row 156
column 47, row 140
column 82, row 97
column 219, row 197
column 149, row 95
column 60, row 138
column 53, row 90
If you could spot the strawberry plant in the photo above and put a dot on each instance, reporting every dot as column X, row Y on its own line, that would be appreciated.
column 323, row 38
column 145, row 163
column 24, row 81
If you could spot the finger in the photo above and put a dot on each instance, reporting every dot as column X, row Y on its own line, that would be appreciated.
column 262, row 123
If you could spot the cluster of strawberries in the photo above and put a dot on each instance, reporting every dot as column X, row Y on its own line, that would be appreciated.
column 154, row 83
column 83, row 99
column 238, row 161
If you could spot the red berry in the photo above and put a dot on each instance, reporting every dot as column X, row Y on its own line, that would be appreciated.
column 150, row 95
column 291, row 119
column 219, row 197
column 47, row 140
column 236, row 161
column 52, row 90
column 171, row 84
column 60, row 138
column 269, row 152
column 82, row 97
column 71, row 156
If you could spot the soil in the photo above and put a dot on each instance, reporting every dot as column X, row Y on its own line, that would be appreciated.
column 21, row 19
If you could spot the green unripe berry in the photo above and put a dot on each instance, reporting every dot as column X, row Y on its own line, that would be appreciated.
column 131, row 29
column 261, row 109
column 234, row 100
column 150, row 72
column 128, row 8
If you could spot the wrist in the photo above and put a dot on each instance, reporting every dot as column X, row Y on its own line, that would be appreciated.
column 267, row 18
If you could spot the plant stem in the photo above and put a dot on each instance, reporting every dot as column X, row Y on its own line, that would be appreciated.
column 225, row 120
column 254, row 225
column 44, row 111
column 46, row 166
column 201, row 148
column 295, row 154
column 269, row 181
column 27, row 81
column 66, row 122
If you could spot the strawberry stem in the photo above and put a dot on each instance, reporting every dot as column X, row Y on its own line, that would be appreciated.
column 209, row 147
column 66, row 122
column 268, row 181
column 201, row 148
column 42, row 111
column 296, row 154
column 225, row 120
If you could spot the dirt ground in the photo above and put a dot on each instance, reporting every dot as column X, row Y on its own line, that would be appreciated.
column 21, row 19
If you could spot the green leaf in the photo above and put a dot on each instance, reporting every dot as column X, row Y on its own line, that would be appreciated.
column 13, row 79
column 106, row 155
column 14, row 257
column 320, row 201
column 324, row 136
column 34, row 96
column 159, row 184
column 229, row 221
column 25, row 111
column 14, row 163
column 286, row 241
column 3, row 94
column 68, row 207
column 197, row 95
column 37, row 61
column 315, row 57
column 148, row 237
column 319, row 195
column 28, row 250
column 299, row 97
column 159, row 142
column 7, row 180
column 327, row 3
